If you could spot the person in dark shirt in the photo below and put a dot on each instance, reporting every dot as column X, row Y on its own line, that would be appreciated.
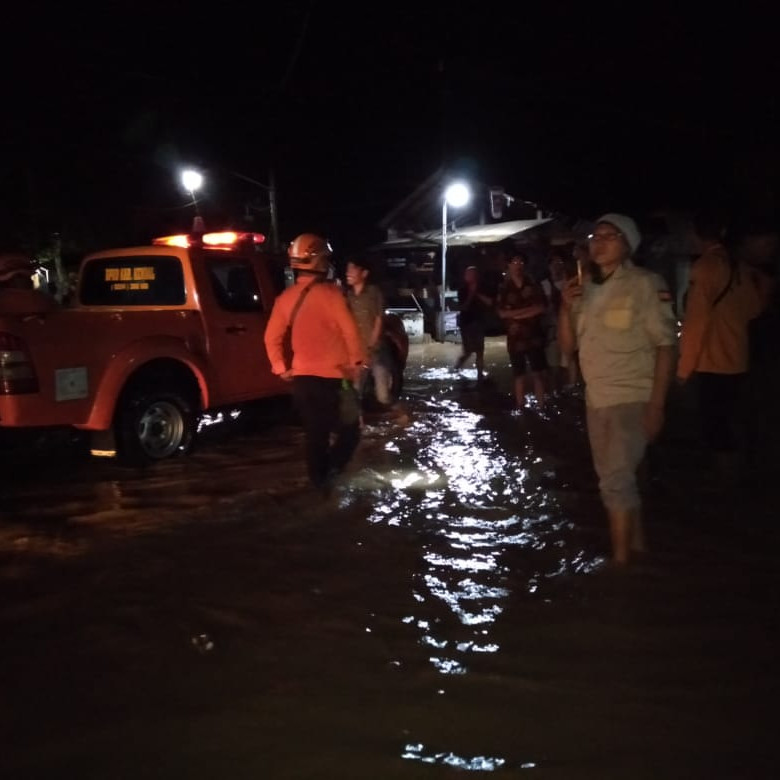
column 474, row 306
column 366, row 303
column 521, row 306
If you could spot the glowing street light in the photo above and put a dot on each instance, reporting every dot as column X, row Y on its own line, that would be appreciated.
column 192, row 181
column 456, row 195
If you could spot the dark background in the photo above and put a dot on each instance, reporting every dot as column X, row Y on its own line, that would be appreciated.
column 580, row 108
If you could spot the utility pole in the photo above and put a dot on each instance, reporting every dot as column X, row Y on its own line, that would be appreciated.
column 270, row 188
column 274, row 214
column 59, row 271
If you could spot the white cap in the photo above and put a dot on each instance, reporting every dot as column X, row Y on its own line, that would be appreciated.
column 626, row 226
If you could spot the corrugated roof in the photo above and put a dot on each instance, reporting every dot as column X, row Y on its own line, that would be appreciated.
column 468, row 235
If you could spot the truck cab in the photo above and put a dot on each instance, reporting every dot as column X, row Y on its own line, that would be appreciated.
column 156, row 335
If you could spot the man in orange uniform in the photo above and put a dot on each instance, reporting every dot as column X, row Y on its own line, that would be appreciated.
column 723, row 297
column 327, row 351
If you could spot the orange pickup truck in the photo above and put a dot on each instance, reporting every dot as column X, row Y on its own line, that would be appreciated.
column 157, row 334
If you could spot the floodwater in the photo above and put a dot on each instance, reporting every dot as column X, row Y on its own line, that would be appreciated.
column 448, row 612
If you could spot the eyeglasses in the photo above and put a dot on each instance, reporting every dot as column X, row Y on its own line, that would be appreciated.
column 604, row 236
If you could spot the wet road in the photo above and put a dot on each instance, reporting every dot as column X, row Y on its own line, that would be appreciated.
column 447, row 612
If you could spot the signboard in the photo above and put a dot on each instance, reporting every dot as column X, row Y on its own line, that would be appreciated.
column 129, row 278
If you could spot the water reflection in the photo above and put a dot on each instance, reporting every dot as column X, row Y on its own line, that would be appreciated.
column 468, row 479
column 417, row 752
column 474, row 494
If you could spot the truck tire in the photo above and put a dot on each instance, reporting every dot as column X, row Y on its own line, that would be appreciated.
column 153, row 425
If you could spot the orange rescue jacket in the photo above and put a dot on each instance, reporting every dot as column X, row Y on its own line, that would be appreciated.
column 715, row 326
column 325, row 336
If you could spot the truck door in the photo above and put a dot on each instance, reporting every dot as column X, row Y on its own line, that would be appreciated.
column 235, row 331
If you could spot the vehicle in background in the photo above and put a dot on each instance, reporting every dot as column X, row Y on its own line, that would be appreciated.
column 156, row 336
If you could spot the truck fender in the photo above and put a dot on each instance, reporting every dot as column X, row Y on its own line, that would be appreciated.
column 128, row 361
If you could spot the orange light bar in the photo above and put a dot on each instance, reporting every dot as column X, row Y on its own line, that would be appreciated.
column 228, row 238
column 223, row 240
column 182, row 240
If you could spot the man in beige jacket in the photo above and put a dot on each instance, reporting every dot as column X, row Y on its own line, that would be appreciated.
column 621, row 320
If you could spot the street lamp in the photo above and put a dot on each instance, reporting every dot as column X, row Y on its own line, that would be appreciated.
column 457, row 195
column 192, row 181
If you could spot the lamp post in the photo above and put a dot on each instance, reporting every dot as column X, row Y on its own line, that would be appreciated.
column 192, row 181
column 457, row 195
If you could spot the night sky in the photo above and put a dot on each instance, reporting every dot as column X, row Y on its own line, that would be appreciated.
column 602, row 107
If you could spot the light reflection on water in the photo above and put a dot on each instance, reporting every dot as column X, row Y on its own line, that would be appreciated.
column 475, row 764
column 469, row 483
column 474, row 504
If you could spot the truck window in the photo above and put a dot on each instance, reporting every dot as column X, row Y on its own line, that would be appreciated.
column 148, row 280
column 235, row 285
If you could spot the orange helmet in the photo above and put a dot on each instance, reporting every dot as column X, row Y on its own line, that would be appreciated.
column 14, row 264
column 309, row 253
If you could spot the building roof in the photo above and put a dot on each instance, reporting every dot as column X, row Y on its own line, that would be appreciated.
column 420, row 212
column 469, row 235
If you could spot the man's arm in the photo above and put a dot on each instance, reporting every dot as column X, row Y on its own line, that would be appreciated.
column 695, row 323
column 662, row 379
column 537, row 304
column 486, row 299
column 662, row 376
column 465, row 297
column 567, row 337
column 348, row 326
column 274, row 339
column 523, row 314
column 376, row 331
column 660, row 324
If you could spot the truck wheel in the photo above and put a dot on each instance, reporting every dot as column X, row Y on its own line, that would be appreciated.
column 154, row 425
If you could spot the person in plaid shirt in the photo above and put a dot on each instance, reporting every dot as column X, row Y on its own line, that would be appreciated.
column 522, row 305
